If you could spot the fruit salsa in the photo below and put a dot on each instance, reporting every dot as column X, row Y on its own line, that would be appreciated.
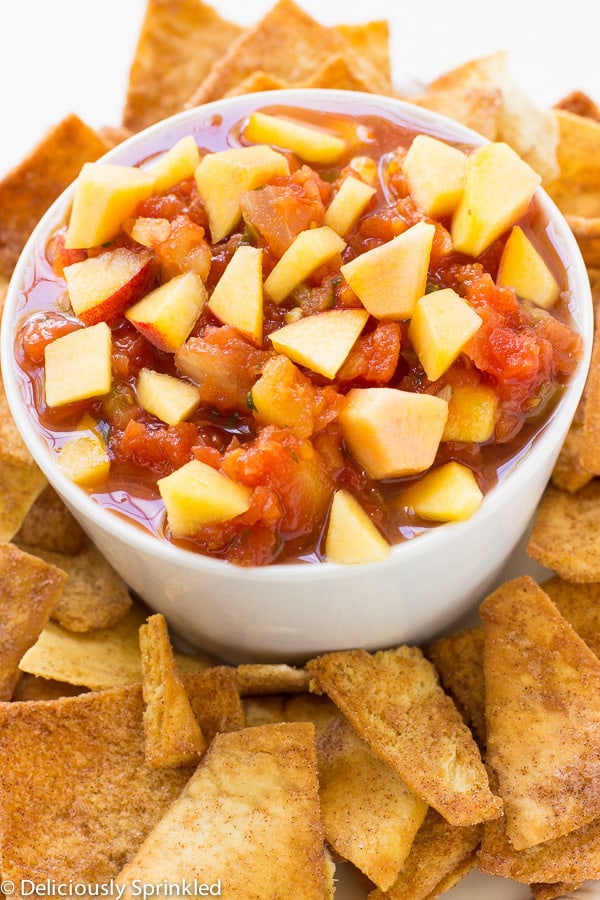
column 301, row 336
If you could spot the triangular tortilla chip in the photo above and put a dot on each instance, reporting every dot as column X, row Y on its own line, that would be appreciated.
column 395, row 702
column 29, row 588
column 248, row 818
column 104, row 658
column 371, row 41
column 268, row 709
column 178, row 43
column 565, row 535
column 477, row 108
column 50, row 526
column 568, row 473
column 173, row 735
column 94, row 595
column 257, row 81
column 27, row 191
column 531, row 131
column 21, row 481
column 339, row 73
column 440, row 856
column 286, row 43
column 459, row 661
column 369, row 815
column 581, row 104
column 542, row 696
column 214, row 699
column 30, row 687
column 76, row 797
column 549, row 891
column 270, row 678
column 572, row 858
column 579, row 604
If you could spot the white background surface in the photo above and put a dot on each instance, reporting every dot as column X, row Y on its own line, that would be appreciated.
column 62, row 56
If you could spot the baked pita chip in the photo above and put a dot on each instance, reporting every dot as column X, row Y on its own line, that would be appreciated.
column 214, row 699
column 369, row 815
column 29, row 189
column 104, row 658
column 257, row 81
column 339, row 73
column 270, row 678
column 573, row 858
column 549, row 891
column 590, row 441
column 565, row 535
column 21, row 481
column 288, row 44
column 542, row 704
column 440, row 855
column 29, row 588
column 315, row 708
column 94, row 595
column 173, row 735
column 580, row 104
column 371, row 41
column 477, row 108
column 76, row 796
column 459, row 661
column 396, row 704
column 178, row 43
column 587, row 231
column 579, row 604
column 531, row 131
column 249, row 818
column 49, row 525
column 30, row 687
column 568, row 473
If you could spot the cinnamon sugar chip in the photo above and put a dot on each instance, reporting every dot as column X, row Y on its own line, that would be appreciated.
column 370, row 816
column 49, row 525
column 249, row 817
column 76, row 796
column 29, row 588
column 440, row 856
column 477, row 108
column 173, row 735
column 178, row 43
column 458, row 658
column 394, row 700
column 565, row 535
column 542, row 696
column 30, row 188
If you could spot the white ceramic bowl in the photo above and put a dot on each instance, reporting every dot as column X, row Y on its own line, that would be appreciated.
column 290, row 612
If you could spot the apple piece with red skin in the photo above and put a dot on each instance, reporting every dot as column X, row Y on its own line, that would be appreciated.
column 102, row 287
column 167, row 314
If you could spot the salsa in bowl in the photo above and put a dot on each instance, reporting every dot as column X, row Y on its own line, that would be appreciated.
column 293, row 331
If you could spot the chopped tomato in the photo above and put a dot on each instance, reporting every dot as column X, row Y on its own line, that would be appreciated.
column 374, row 357
column 41, row 330
column 162, row 448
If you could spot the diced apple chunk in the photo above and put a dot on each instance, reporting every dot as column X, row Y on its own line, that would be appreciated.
column 168, row 398
column 167, row 315
column 323, row 341
column 238, row 295
column 105, row 195
column 447, row 494
column 499, row 187
column 309, row 250
column 102, row 287
column 196, row 495
column 472, row 413
column 435, row 175
column 85, row 459
column 311, row 144
column 351, row 535
column 78, row 365
column 441, row 325
column 522, row 268
column 178, row 163
column 222, row 178
column 348, row 205
column 393, row 433
column 390, row 279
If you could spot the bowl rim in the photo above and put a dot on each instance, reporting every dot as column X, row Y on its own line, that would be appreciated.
column 134, row 536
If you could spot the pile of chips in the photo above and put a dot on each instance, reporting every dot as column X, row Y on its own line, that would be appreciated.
column 122, row 758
